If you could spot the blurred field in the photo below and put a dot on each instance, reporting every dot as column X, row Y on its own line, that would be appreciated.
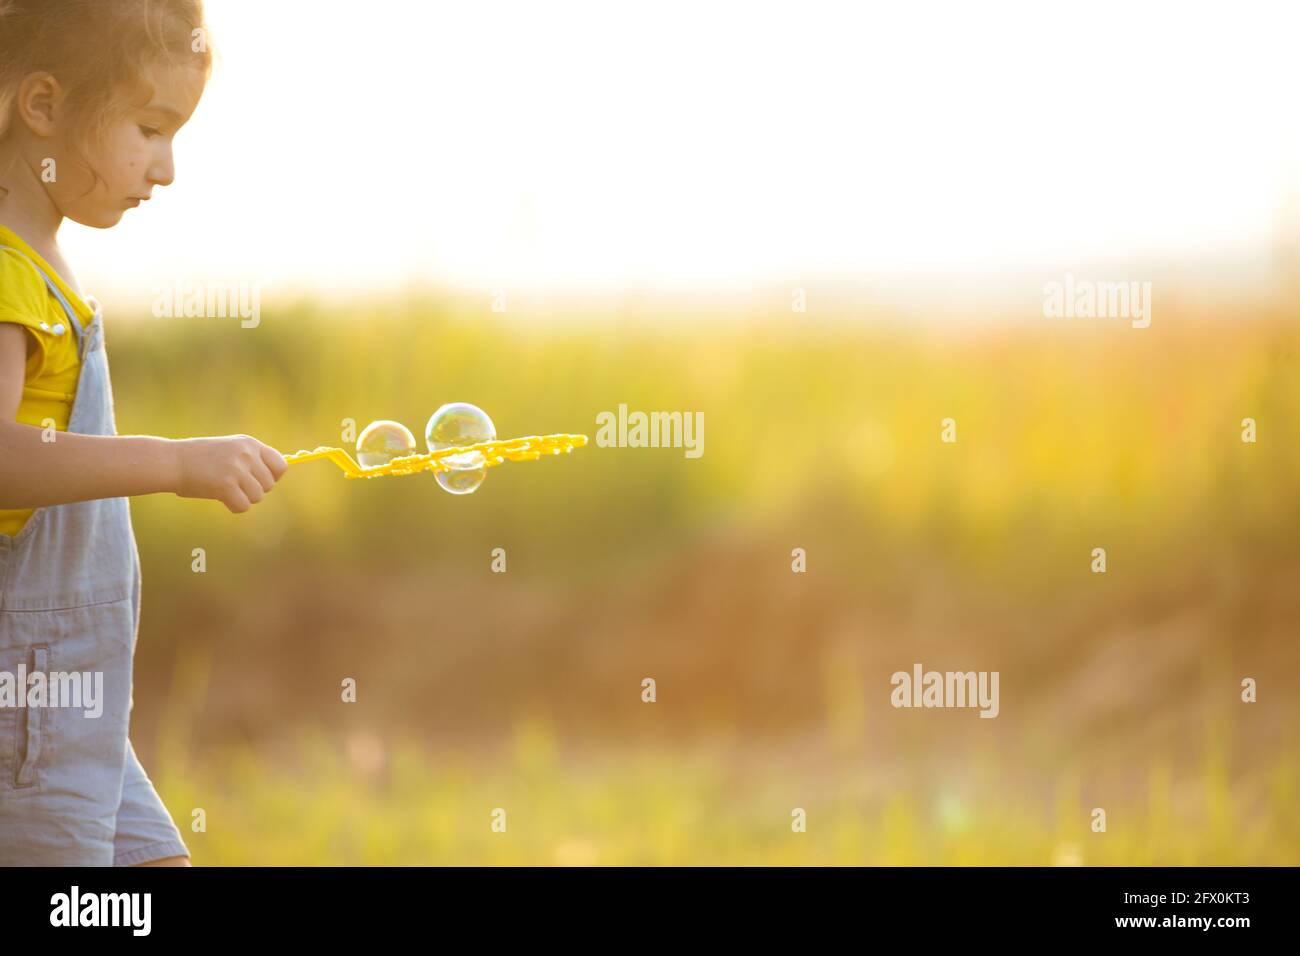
column 362, row 802
column 522, row 690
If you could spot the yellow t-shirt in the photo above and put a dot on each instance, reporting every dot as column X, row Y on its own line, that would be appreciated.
column 53, row 367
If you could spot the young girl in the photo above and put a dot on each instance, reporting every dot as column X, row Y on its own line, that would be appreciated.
column 91, row 94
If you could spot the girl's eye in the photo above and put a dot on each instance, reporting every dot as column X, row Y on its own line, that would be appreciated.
column 150, row 131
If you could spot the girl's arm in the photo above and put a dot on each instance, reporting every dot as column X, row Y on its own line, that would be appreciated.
column 235, row 469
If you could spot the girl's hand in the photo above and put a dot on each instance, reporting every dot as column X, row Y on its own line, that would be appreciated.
column 236, row 470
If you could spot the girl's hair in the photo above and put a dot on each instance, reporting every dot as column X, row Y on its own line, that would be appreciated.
column 98, row 50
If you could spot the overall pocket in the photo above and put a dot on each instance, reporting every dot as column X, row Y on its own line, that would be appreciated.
column 76, row 743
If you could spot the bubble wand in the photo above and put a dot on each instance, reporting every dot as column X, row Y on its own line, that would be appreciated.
column 462, row 445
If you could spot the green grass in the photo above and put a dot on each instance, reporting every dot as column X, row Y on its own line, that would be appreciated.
column 404, row 806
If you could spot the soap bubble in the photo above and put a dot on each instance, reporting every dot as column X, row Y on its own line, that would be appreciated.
column 462, row 482
column 455, row 424
column 383, row 441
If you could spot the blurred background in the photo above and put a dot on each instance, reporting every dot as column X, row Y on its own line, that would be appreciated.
column 650, row 190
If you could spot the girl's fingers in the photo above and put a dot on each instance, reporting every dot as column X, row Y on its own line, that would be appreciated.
column 274, row 462
column 262, row 474
column 252, row 490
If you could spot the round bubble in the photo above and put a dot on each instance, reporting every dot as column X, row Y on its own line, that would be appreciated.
column 382, row 441
column 453, row 425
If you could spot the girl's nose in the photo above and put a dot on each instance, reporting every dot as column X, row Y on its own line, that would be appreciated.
column 163, row 171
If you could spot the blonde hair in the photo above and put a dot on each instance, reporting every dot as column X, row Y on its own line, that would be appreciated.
column 98, row 50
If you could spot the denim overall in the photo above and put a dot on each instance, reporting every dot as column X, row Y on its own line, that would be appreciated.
column 72, row 792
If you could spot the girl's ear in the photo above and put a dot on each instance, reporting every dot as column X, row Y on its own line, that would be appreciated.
column 40, row 102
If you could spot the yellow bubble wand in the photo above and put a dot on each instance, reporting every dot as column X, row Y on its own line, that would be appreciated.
column 528, row 448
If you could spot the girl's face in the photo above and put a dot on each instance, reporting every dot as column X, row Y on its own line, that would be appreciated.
column 133, row 156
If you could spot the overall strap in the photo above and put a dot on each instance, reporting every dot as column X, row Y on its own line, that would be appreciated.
column 63, row 301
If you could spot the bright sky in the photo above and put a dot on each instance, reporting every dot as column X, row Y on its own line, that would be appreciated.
column 567, row 144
